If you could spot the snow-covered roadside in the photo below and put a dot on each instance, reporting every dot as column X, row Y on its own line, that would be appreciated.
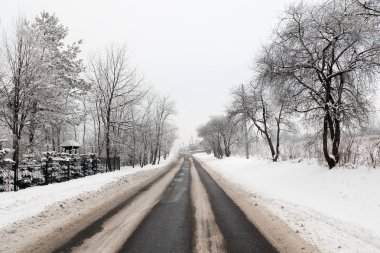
column 15, row 206
column 336, row 210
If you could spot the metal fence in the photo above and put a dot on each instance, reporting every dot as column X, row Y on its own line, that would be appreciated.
column 53, row 170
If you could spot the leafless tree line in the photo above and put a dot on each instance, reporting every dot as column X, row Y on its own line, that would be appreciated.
column 47, row 95
column 127, row 119
column 319, row 67
column 219, row 135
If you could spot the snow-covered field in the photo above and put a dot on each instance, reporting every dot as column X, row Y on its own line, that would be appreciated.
column 337, row 210
column 25, row 203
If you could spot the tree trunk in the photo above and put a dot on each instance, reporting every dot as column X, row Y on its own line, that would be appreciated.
column 245, row 129
column 219, row 149
column 16, row 154
column 265, row 130
column 134, row 152
column 159, row 156
column 270, row 144
column 75, row 133
column 275, row 158
column 156, row 149
column 84, row 137
column 246, row 137
column 336, row 142
column 59, row 138
column 213, row 146
column 100, row 149
column 330, row 161
column 108, row 140
column 32, row 126
column 278, row 124
column 53, row 142
column 108, row 151
column 227, row 151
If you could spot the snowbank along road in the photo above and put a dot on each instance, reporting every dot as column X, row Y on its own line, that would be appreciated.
column 182, row 209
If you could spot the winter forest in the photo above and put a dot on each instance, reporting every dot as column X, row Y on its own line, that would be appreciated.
column 313, row 90
column 49, row 94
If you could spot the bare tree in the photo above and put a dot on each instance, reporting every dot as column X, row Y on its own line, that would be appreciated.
column 326, row 56
column 169, row 136
column 227, row 129
column 115, row 85
column 164, row 109
column 220, row 133
column 370, row 7
column 212, row 138
column 267, row 111
column 240, row 101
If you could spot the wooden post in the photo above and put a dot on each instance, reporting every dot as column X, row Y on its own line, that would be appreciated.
column 68, row 170
column 15, row 177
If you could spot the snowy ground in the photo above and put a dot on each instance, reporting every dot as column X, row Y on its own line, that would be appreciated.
column 15, row 206
column 337, row 210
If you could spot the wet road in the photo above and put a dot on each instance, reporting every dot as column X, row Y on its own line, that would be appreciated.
column 168, row 228
column 239, row 233
column 161, row 218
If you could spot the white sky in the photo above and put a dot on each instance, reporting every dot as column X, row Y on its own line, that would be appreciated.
column 193, row 50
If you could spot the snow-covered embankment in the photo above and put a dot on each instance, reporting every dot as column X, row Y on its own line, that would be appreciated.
column 337, row 210
column 15, row 206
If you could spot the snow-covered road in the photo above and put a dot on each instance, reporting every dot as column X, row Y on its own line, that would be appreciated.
column 71, row 206
column 181, row 207
column 331, row 210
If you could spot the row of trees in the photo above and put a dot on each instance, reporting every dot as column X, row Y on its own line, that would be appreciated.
column 219, row 134
column 48, row 95
column 126, row 117
column 319, row 68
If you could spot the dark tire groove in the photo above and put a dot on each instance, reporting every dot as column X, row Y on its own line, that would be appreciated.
column 169, row 225
column 240, row 234
column 96, row 226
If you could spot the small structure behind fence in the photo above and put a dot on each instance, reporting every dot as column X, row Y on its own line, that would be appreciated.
column 53, row 170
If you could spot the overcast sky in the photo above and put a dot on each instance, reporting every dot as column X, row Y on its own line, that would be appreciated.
column 193, row 50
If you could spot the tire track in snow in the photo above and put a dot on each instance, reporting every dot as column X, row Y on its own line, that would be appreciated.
column 239, row 233
column 109, row 232
column 207, row 235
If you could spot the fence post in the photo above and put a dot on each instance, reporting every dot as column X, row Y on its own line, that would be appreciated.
column 15, row 178
column 49, row 161
column 46, row 173
column 68, row 170
column 84, row 166
column 93, row 163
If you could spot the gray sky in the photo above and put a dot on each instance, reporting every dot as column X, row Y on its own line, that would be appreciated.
column 193, row 50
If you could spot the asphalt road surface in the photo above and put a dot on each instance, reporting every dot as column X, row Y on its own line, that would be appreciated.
column 161, row 218
column 239, row 233
column 168, row 228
